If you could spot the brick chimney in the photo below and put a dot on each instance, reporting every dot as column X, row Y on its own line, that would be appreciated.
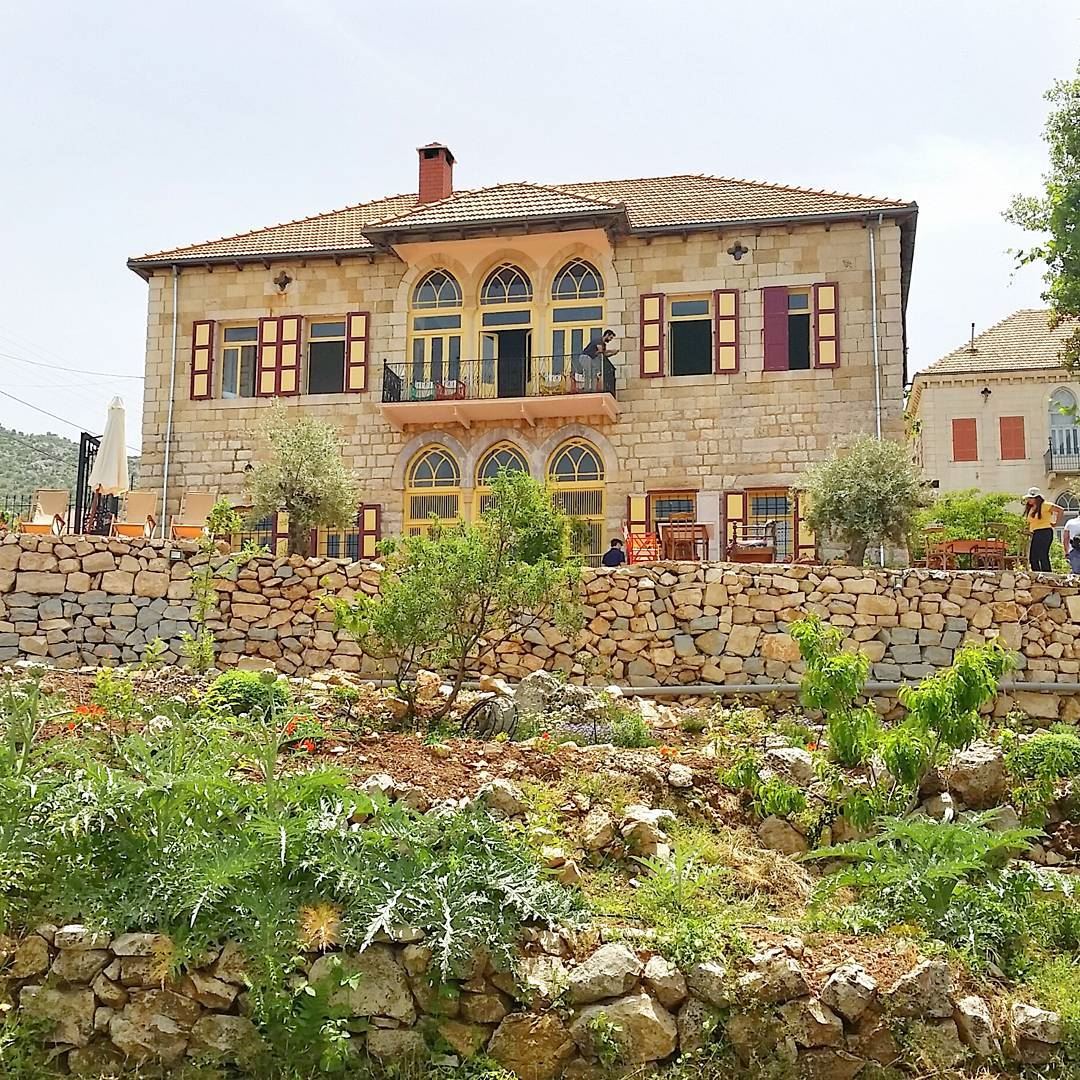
column 436, row 172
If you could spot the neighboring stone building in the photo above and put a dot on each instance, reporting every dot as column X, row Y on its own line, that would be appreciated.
column 442, row 334
column 989, row 414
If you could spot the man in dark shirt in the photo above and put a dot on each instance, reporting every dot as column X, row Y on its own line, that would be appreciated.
column 614, row 556
column 589, row 365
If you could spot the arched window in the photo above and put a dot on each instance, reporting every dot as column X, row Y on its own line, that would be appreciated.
column 437, row 289
column 506, row 284
column 1064, row 423
column 501, row 456
column 577, row 312
column 432, row 487
column 577, row 280
column 434, row 367
column 576, row 476
column 1070, row 508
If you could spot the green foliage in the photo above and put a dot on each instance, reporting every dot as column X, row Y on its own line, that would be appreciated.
column 448, row 598
column 769, row 797
column 970, row 514
column 238, row 692
column 952, row 880
column 223, row 520
column 604, row 1040
column 1055, row 215
column 303, row 473
column 867, row 492
column 1056, row 985
column 30, row 460
column 628, row 726
column 1037, row 765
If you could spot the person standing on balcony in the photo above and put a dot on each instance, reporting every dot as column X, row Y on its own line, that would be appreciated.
column 1041, row 518
column 590, row 364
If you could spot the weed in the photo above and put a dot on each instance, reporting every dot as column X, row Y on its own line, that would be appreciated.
column 245, row 693
column 1039, row 764
column 604, row 1039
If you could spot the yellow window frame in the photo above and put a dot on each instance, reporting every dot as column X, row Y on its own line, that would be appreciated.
column 483, row 488
column 430, row 494
column 583, row 499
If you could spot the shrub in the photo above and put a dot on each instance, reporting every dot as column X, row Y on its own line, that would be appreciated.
column 1038, row 765
column 967, row 514
column 628, row 727
column 223, row 520
column 240, row 692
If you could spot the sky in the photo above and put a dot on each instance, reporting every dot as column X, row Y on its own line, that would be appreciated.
column 132, row 127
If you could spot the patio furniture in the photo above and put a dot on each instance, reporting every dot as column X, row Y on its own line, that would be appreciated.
column 137, row 517
column 195, row 507
column 642, row 547
column 999, row 532
column 552, row 384
column 684, row 540
column 48, row 513
column 752, row 543
column 988, row 555
column 450, row 390
column 422, row 391
column 936, row 552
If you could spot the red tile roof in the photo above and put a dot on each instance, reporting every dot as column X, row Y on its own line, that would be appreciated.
column 1023, row 341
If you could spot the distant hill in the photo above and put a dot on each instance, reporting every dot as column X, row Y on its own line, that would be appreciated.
column 28, row 462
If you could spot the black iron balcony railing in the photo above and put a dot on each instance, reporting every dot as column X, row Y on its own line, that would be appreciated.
column 483, row 380
column 1063, row 452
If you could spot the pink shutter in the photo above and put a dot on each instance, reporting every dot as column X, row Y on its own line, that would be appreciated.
column 369, row 526
column 269, row 335
column 775, row 305
column 356, row 351
column 652, row 335
column 827, row 325
column 202, row 359
column 288, row 360
column 726, row 345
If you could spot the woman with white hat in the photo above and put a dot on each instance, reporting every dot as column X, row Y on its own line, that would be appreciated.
column 1041, row 518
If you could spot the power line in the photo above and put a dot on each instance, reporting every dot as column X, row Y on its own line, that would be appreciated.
column 45, row 412
column 37, row 449
column 60, row 367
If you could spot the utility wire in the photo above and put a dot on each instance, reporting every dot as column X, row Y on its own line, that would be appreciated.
column 60, row 367
column 45, row 412
column 37, row 449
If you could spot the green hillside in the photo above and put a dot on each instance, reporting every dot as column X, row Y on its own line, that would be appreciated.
column 31, row 461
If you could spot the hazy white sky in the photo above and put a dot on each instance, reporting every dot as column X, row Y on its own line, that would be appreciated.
column 131, row 126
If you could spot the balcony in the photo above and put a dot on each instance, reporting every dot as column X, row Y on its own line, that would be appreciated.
column 1063, row 453
column 507, row 388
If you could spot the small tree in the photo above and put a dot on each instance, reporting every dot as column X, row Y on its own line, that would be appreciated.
column 867, row 492
column 303, row 474
column 449, row 598
column 1055, row 215
column 969, row 514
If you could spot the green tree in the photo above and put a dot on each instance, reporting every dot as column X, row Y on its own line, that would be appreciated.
column 448, row 598
column 1055, row 214
column 304, row 474
column 868, row 492
column 969, row 514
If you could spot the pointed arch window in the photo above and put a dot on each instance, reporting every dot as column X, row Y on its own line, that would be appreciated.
column 577, row 312
column 576, row 476
column 578, row 280
column 432, row 488
column 502, row 456
column 506, row 284
column 437, row 289
column 435, row 337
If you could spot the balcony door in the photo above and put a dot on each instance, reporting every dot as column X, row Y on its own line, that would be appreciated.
column 506, row 362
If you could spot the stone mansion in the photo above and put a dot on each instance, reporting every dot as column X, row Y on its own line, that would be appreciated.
column 757, row 326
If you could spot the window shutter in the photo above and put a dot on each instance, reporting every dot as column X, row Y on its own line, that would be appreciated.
column 202, row 359
column 637, row 514
column 735, row 501
column 827, row 325
column 1013, row 443
column 805, row 543
column 369, row 525
column 965, row 443
column 652, row 335
column 726, row 357
column 288, row 365
column 775, row 304
column 266, row 385
column 356, row 351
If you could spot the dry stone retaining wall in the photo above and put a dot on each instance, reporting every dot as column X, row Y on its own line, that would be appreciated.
column 77, row 601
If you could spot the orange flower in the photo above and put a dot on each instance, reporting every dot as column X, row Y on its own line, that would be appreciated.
column 290, row 727
column 811, row 746
column 71, row 725
column 544, row 735
column 82, row 710
column 668, row 751
column 309, row 745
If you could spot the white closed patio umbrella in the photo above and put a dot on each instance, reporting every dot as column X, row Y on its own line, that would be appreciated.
column 109, row 476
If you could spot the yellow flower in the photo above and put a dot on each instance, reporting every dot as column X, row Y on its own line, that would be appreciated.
column 320, row 926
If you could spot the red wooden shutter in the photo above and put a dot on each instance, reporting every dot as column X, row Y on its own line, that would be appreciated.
column 652, row 335
column 266, row 381
column 202, row 359
column 1013, row 443
column 288, row 364
column 637, row 514
column 356, row 351
column 735, row 505
column 775, row 305
column 965, row 441
column 726, row 353
column 369, row 525
column 827, row 325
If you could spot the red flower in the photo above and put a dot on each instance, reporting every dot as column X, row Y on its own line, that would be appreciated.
column 544, row 735
column 668, row 751
column 71, row 725
column 290, row 727
column 811, row 746
column 309, row 745
column 82, row 710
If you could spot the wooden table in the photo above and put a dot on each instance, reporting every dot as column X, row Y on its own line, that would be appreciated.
column 685, row 540
column 946, row 554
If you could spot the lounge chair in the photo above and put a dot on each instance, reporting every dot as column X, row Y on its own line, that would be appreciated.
column 195, row 508
column 48, row 514
column 137, row 518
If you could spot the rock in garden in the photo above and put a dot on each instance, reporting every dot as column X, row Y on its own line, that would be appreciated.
column 643, row 827
column 466, row 1040
column 611, row 971
column 379, row 989
column 939, row 1041
column 79, row 965
column 504, row 797
column 779, row 835
column 665, row 982
column 1036, row 1034
column 812, row 1024
column 543, row 976
column 923, row 991
column 31, row 958
column 68, row 1014
column 535, row 692
column 711, row 982
column 141, row 944
column 696, row 1023
column 154, row 1026
column 488, row 1007
column 642, row 1027
column 532, row 1047
column 972, row 1017
column 109, row 992
column 829, row 1064
column 680, row 776
column 380, row 784
column 76, row 936
column 225, row 1038
column 208, row 990
column 849, row 991
column 775, row 978
column 397, row 1045
column 762, row 1040
column 792, row 760
column 99, row 1059
column 977, row 775
column 598, row 830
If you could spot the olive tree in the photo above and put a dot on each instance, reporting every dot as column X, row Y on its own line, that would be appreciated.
column 454, row 595
column 303, row 473
column 867, row 492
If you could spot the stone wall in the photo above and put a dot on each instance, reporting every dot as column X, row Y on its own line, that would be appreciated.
column 91, row 600
column 107, row 1001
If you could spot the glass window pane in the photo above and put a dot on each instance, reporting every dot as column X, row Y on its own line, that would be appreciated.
column 799, row 342
column 689, row 307
column 326, row 367
column 418, row 360
column 437, row 322
column 241, row 333
column 230, row 360
column 798, row 301
column 247, row 371
column 507, row 318
column 437, row 359
column 578, row 314
column 327, row 329
column 690, row 347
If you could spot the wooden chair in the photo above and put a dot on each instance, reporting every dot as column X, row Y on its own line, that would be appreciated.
column 195, row 507
column 996, row 531
column 137, row 517
column 684, row 541
column 642, row 547
column 48, row 513
column 988, row 555
column 450, row 390
column 752, row 543
column 936, row 552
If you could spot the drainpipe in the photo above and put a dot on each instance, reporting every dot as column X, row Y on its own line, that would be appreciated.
column 172, row 399
column 872, row 235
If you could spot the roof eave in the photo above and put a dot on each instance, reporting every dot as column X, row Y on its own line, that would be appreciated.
column 390, row 234
column 139, row 265
column 907, row 210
